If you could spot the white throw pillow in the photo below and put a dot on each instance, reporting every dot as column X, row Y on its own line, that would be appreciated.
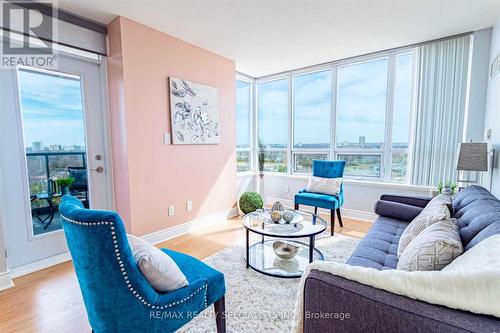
column 156, row 266
column 435, row 211
column 432, row 249
column 322, row 185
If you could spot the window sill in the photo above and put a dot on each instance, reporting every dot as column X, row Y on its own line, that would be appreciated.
column 369, row 183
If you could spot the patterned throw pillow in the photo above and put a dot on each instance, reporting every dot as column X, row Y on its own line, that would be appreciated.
column 436, row 210
column 433, row 249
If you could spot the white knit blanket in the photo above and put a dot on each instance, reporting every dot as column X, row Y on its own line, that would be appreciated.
column 471, row 282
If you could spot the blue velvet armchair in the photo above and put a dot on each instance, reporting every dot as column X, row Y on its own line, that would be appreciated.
column 116, row 295
column 325, row 169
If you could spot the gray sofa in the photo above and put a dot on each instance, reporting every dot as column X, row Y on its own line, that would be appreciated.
column 329, row 298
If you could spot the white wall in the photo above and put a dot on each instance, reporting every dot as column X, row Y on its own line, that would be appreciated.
column 360, row 196
column 492, row 116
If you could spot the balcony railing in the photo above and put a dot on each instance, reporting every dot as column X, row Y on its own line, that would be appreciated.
column 45, row 166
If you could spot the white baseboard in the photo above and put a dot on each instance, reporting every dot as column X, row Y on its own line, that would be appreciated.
column 154, row 238
column 350, row 213
column 201, row 222
column 5, row 280
column 39, row 265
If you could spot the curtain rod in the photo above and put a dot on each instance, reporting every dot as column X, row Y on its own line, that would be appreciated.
column 334, row 62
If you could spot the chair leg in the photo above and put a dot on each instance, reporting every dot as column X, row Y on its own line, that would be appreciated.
column 340, row 218
column 315, row 210
column 332, row 221
column 296, row 206
column 220, row 315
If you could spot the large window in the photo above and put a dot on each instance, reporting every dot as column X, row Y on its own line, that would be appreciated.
column 361, row 104
column 312, row 109
column 243, row 126
column 358, row 111
column 272, row 111
column 273, row 114
column 401, row 117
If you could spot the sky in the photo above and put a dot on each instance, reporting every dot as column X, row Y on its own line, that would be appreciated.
column 52, row 109
column 361, row 104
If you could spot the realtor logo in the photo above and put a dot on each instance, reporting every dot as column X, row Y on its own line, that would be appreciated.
column 28, row 28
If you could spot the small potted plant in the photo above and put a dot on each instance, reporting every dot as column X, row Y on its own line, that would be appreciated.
column 64, row 184
column 447, row 187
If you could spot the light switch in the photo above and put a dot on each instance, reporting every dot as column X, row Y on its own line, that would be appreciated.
column 166, row 138
column 171, row 210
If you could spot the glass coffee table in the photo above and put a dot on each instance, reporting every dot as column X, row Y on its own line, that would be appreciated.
column 261, row 256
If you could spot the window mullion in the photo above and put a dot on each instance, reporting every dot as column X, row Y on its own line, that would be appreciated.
column 290, row 123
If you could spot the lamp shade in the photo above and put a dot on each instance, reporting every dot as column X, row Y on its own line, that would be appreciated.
column 473, row 157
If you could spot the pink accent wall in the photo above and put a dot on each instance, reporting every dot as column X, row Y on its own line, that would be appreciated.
column 149, row 175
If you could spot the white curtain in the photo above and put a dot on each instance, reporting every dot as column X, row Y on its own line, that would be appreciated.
column 440, row 109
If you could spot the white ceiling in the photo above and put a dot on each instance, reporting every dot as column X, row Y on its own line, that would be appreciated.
column 265, row 37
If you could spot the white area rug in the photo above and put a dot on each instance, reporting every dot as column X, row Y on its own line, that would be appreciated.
column 256, row 302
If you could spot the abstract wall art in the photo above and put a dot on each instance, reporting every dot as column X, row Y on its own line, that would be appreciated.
column 194, row 112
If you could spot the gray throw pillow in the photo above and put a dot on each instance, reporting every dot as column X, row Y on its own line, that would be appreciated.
column 435, row 211
column 433, row 249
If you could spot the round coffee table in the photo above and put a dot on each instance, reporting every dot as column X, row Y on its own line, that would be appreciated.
column 261, row 257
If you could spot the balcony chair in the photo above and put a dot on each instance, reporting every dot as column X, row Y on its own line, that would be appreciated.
column 116, row 295
column 80, row 187
column 325, row 169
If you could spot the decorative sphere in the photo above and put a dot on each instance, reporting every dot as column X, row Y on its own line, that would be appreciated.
column 288, row 216
column 276, row 216
column 250, row 202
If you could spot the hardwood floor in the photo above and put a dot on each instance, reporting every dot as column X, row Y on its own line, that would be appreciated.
column 50, row 301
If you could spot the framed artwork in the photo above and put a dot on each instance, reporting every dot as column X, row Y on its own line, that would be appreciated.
column 194, row 113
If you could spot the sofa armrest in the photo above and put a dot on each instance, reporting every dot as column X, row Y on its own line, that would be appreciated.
column 397, row 210
column 414, row 200
column 335, row 304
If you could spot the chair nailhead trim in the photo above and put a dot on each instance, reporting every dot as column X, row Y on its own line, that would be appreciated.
column 203, row 288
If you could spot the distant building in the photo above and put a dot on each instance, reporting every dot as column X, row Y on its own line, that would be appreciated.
column 362, row 141
column 55, row 147
column 37, row 145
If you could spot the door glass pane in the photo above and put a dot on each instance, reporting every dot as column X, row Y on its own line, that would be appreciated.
column 361, row 104
column 54, row 137
column 361, row 165
column 273, row 114
column 402, row 100
column 242, row 114
column 312, row 108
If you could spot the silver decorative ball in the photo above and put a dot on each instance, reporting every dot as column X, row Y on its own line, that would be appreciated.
column 288, row 216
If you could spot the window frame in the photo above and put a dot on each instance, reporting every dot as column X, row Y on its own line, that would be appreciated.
column 386, row 150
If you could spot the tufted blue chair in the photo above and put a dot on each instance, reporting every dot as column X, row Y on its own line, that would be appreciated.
column 325, row 169
column 115, row 293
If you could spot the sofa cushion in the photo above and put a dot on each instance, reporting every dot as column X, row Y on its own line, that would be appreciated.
column 433, row 249
column 379, row 247
column 478, row 214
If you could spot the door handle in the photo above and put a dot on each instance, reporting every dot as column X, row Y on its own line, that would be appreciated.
column 99, row 169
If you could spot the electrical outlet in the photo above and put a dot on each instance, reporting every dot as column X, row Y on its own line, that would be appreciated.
column 286, row 188
column 171, row 210
column 189, row 206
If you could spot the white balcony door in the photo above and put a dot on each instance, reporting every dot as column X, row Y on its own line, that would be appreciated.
column 53, row 140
